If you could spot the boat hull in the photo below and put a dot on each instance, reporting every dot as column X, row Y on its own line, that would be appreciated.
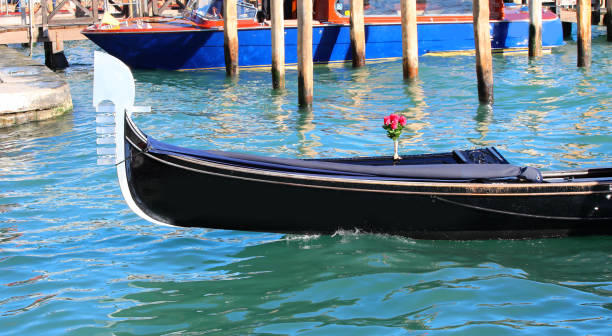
column 183, row 191
column 192, row 49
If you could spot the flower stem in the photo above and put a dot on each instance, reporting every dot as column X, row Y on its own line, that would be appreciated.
column 395, row 150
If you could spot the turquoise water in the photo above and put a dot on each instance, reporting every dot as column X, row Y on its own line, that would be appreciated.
column 74, row 259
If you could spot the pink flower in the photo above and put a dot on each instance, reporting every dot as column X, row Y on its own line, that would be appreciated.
column 394, row 125
column 387, row 120
column 394, row 118
column 402, row 121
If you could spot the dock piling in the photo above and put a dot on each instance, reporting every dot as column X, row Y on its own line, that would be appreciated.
column 230, row 37
column 304, row 50
column 584, row 33
column 54, row 55
column 410, row 45
column 278, row 44
column 535, row 28
column 609, row 21
column 484, row 62
column 357, row 33
column 31, row 25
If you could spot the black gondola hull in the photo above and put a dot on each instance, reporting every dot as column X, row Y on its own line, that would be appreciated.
column 184, row 191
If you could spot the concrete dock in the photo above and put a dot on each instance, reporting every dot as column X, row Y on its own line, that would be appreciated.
column 29, row 91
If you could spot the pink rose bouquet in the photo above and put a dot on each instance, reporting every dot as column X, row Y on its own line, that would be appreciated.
column 394, row 125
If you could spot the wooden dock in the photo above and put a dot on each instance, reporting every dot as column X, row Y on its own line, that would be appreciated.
column 57, row 24
column 51, row 25
column 51, row 33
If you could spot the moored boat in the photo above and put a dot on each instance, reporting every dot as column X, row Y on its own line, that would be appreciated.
column 195, row 41
column 463, row 194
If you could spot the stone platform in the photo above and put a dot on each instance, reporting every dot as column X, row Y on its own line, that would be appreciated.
column 29, row 91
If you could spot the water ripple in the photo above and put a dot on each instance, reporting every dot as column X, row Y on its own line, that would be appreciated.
column 75, row 260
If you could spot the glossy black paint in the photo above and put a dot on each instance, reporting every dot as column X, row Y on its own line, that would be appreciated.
column 184, row 192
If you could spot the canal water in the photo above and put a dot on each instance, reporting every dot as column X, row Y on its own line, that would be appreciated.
column 74, row 260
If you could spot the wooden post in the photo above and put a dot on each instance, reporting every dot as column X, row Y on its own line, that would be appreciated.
column 567, row 30
column 482, row 40
column 535, row 28
column 155, row 9
column 94, row 11
column 609, row 16
column 31, row 25
column 55, row 59
column 43, row 13
column 583, row 16
column 410, row 44
column 230, row 37
column 278, row 44
column 144, row 9
column 357, row 33
column 304, row 49
column 43, row 30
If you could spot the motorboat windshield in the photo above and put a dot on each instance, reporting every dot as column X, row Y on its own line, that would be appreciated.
column 213, row 9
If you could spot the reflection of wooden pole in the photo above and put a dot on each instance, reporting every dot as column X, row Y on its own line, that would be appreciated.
column 584, row 33
column 482, row 40
column 410, row 45
column 304, row 46
column 230, row 37
column 535, row 28
column 357, row 33
column 609, row 16
column 278, row 44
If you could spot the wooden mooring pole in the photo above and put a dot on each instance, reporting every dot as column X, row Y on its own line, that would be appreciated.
column 584, row 33
column 482, row 40
column 484, row 62
column 535, row 28
column 230, row 37
column 609, row 16
column 410, row 45
column 278, row 44
column 357, row 33
column 304, row 49
column 54, row 55
column 31, row 25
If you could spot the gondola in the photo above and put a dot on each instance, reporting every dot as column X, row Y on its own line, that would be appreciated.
column 463, row 194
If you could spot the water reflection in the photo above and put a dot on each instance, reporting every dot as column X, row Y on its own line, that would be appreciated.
column 278, row 114
column 9, row 233
column 307, row 140
column 416, row 114
column 358, row 91
column 380, row 282
column 17, row 142
column 483, row 118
